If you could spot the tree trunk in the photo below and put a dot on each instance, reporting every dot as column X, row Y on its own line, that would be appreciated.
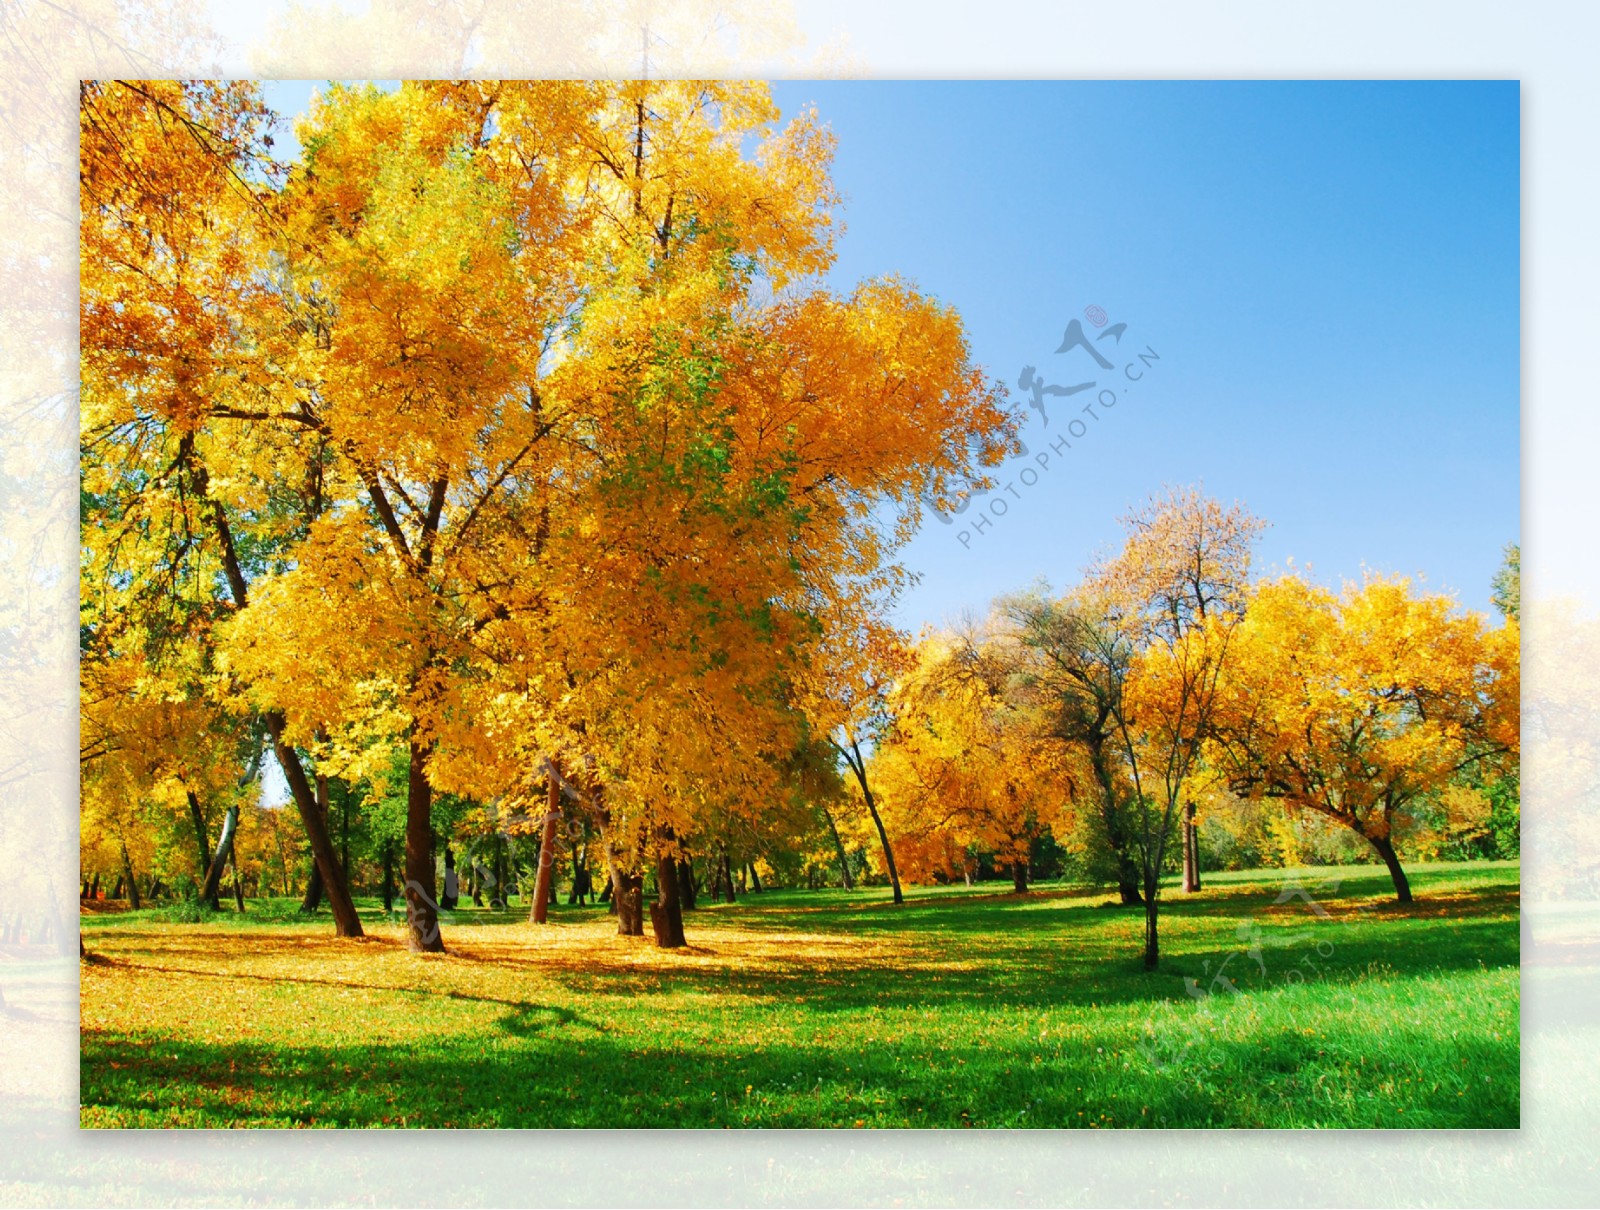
column 198, row 819
column 755, row 879
column 128, row 876
column 883, row 839
column 1402, row 885
column 687, row 893
column 1152, row 941
column 346, row 922
column 1194, row 847
column 1019, row 877
column 219, row 861
column 422, row 904
column 838, row 846
column 1191, row 858
column 388, row 876
column 727, row 877
column 238, row 888
column 859, row 768
column 314, row 887
column 666, row 913
column 312, row 899
column 1128, row 879
column 628, row 896
column 544, row 890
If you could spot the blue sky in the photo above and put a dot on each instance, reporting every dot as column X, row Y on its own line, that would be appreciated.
column 1328, row 271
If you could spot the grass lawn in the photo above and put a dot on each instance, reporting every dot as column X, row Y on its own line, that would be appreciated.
column 1335, row 1007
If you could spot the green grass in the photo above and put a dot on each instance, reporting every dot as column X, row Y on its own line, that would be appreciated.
column 797, row 1009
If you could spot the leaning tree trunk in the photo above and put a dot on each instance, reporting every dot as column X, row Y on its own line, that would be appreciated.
column 1385, row 848
column 238, row 888
column 755, row 879
column 666, row 913
column 883, row 839
column 422, row 905
column 219, row 861
column 312, row 899
column 838, row 845
column 859, row 768
column 202, row 848
column 1019, row 877
column 544, row 890
column 346, row 922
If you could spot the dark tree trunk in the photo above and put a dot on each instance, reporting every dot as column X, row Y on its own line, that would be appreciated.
column 155, row 887
column 838, row 846
column 1191, row 851
column 202, row 847
column 238, row 888
column 888, row 852
column 688, row 893
column 582, row 886
column 346, row 922
column 422, row 904
column 755, row 879
column 1128, row 880
column 219, row 860
column 1385, row 848
column 312, row 899
column 727, row 877
column 859, row 768
column 1019, row 877
column 628, row 896
column 544, row 889
column 116, row 891
column 666, row 913
column 1152, row 940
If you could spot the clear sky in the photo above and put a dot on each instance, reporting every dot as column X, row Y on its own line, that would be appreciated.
column 1328, row 271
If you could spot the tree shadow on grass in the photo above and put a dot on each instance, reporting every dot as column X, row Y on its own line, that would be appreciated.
column 1201, row 1079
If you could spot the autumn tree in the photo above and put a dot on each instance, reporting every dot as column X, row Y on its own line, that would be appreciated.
column 174, row 191
column 965, row 765
column 1362, row 705
column 587, row 457
column 1126, row 670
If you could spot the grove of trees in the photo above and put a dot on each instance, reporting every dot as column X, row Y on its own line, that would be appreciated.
column 499, row 469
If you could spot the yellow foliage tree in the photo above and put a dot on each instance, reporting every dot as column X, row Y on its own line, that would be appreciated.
column 1358, row 706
